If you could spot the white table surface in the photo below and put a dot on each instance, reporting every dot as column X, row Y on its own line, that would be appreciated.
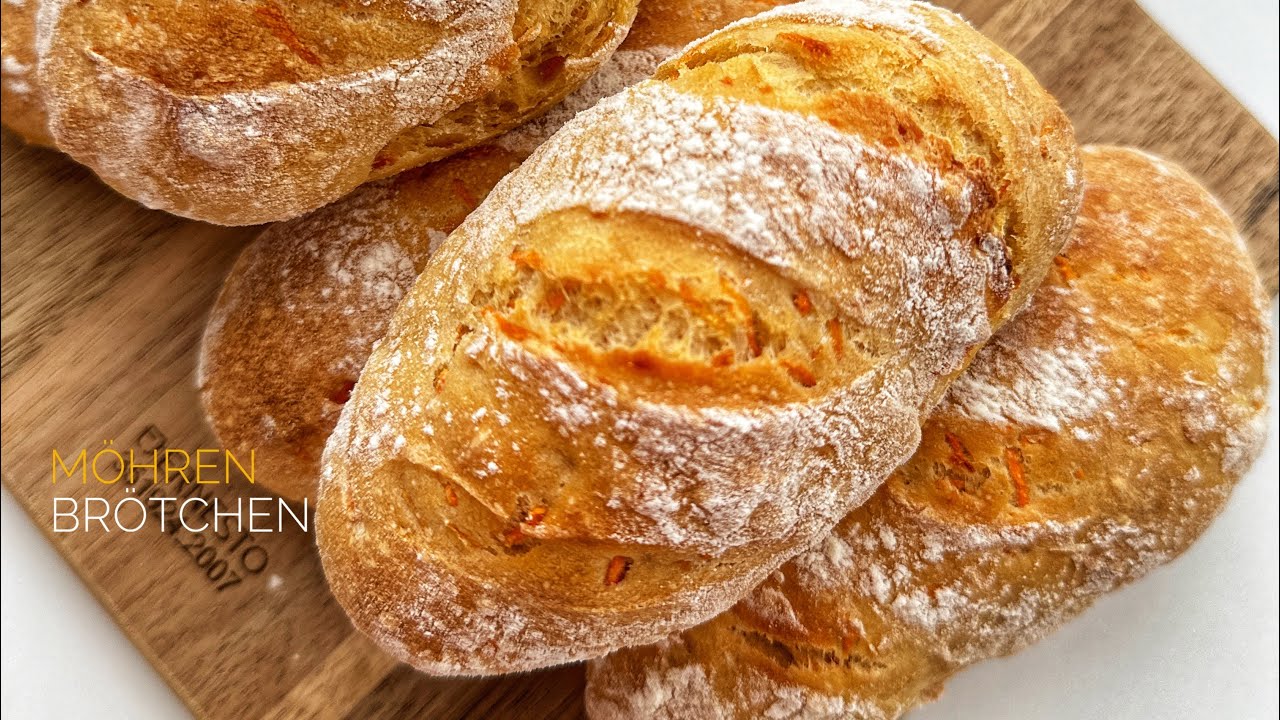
column 1196, row 639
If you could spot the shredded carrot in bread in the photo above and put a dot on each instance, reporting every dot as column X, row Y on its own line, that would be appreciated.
column 1064, row 267
column 616, row 572
column 273, row 17
column 511, row 329
column 528, row 259
column 813, row 46
column 689, row 297
column 512, row 536
column 753, row 340
column 799, row 373
column 1013, row 458
column 450, row 495
column 801, row 300
column 837, row 336
column 960, row 454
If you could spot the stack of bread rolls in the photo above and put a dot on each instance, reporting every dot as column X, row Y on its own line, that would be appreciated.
column 812, row 364
column 700, row 324
column 317, row 292
column 1092, row 440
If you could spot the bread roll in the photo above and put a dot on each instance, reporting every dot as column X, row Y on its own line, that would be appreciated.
column 21, row 107
column 307, row 299
column 242, row 113
column 1093, row 440
column 688, row 335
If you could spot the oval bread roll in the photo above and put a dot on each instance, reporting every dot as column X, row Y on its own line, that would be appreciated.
column 242, row 113
column 1095, row 438
column 304, row 303
column 679, row 343
column 21, row 106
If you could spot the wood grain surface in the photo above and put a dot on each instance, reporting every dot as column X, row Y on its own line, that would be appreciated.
column 104, row 302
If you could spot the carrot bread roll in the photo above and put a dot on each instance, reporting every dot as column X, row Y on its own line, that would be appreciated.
column 21, row 106
column 1092, row 441
column 304, row 304
column 695, row 329
column 246, row 112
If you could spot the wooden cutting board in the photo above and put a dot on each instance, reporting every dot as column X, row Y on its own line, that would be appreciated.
column 103, row 307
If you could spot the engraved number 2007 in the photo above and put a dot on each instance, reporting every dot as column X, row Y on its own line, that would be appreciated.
column 215, row 568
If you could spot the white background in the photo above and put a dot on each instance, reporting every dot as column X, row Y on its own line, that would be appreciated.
column 1197, row 639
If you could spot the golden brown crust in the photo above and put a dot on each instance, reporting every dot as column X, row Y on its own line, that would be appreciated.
column 1094, row 438
column 964, row 103
column 687, row 335
column 20, row 98
column 675, row 23
column 306, row 301
column 302, row 307
column 300, row 102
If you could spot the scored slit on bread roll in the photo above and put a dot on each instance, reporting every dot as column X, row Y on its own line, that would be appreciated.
column 692, row 331
column 305, row 302
column 247, row 112
column 1095, row 438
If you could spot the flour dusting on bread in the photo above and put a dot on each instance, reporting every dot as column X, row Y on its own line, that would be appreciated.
column 1043, row 387
column 1093, row 440
column 312, row 109
column 692, row 163
column 627, row 67
column 902, row 16
column 678, row 343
